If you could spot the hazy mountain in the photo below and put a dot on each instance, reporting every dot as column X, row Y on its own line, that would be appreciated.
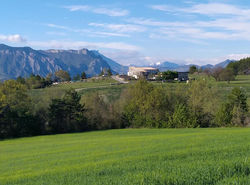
column 22, row 61
column 77, row 61
column 176, row 67
column 208, row 66
column 168, row 65
column 114, row 65
column 224, row 64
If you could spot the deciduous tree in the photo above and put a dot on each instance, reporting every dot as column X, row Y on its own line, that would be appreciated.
column 62, row 76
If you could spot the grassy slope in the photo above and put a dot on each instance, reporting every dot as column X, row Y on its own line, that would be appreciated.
column 242, row 81
column 42, row 97
column 129, row 156
column 224, row 88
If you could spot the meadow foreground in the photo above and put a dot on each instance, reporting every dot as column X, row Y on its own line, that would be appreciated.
column 129, row 156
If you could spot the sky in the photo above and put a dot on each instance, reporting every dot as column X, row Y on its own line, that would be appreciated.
column 139, row 32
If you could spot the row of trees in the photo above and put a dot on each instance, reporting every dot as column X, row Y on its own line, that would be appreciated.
column 141, row 105
column 37, row 81
column 106, row 72
column 193, row 106
column 219, row 73
column 18, row 117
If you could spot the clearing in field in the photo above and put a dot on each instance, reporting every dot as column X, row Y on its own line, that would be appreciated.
column 129, row 156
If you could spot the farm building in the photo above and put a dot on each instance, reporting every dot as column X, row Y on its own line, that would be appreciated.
column 138, row 72
column 182, row 76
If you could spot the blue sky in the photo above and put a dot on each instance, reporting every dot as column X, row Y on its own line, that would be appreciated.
column 132, row 31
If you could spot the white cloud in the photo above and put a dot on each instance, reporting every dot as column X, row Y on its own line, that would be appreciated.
column 217, row 9
column 78, row 8
column 56, row 44
column 111, row 12
column 127, row 57
column 105, row 11
column 122, row 28
column 12, row 38
column 225, row 22
column 110, row 34
column 211, row 9
column 237, row 56
column 88, row 31
column 150, row 22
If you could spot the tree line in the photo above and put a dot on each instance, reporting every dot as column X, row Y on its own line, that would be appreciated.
column 218, row 73
column 240, row 67
column 37, row 81
column 142, row 104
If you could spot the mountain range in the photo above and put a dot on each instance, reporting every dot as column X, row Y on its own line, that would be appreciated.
column 176, row 67
column 23, row 61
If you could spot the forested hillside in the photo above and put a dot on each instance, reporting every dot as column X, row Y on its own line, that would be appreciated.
column 240, row 67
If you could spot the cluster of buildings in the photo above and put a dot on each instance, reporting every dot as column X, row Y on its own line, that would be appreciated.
column 145, row 72
column 151, row 72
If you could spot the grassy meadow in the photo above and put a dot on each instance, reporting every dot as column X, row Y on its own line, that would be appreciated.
column 129, row 156
column 106, row 86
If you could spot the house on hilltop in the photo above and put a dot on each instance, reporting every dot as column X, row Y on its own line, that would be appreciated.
column 145, row 72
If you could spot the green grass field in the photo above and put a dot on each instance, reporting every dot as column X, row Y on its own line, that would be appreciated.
column 129, row 156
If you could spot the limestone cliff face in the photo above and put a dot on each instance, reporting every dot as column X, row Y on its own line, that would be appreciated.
column 22, row 61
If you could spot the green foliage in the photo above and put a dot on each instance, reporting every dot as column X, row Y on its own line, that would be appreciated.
column 77, row 77
column 240, row 67
column 20, row 80
column 224, row 115
column 109, row 72
column 193, row 69
column 227, row 75
column 138, row 106
column 83, row 75
column 106, row 72
column 36, row 81
column 169, row 75
column 182, row 117
column 16, row 118
column 67, row 114
column 101, row 114
column 202, row 102
column 151, row 106
column 216, row 73
column 234, row 111
column 62, row 76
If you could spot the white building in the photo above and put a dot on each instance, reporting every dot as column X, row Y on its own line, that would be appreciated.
column 138, row 72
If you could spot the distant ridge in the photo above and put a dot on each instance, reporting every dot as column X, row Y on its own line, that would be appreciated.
column 23, row 61
column 172, row 66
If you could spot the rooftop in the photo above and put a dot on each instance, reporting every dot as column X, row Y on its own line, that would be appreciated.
column 142, row 68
